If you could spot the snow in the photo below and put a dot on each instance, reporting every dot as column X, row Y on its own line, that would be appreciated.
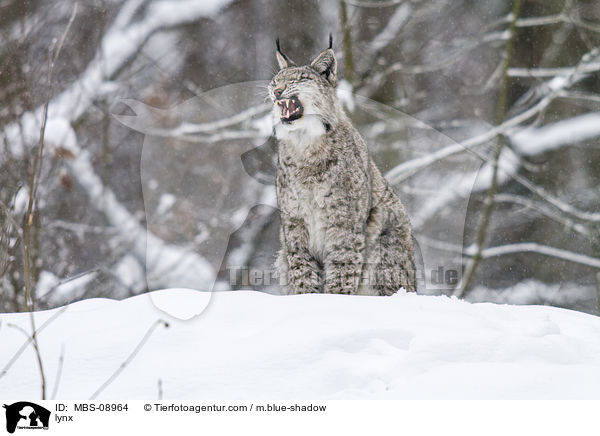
column 21, row 200
column 533, row 247
column 398, row 19
column 59, row 134
column 166, row 265
column 264, row 125
column 532, row 291
column 534, row 141
column 345, row 95
column 122, row 40
column 183, row 304
column 54, row 291
column 46, row 282
column 165, row 203
column 239, row 216
column 250, row 345
column 129, row 271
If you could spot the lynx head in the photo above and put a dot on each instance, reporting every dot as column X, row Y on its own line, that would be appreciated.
column 304, row 96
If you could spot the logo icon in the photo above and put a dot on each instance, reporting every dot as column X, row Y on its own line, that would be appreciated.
column 26, row 415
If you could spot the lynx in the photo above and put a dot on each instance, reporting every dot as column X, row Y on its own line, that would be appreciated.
column 343, row 229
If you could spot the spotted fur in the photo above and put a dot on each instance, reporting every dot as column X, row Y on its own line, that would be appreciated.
column 343, row 229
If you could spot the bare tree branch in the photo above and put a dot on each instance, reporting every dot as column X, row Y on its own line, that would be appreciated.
column 543, row 208
column 488, row 205
column 23, row 347
column 34, row 182
column 61, row 361
column 533, row 247
column 131, row 356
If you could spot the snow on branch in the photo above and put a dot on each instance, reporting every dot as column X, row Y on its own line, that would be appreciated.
column 369, row 84
column 533, row 247
column 534, row 141
column 374, row 4
column 398, row 19
column 540, row 21
column 406, row 169
column 394, row 24
column 207, row 132
column 463, row 185
column 569, row 15
column 120, row 44
column 544, row 209
column 552, row 72
column 556, row 202
column 124, row 40
column 188, row 269
column 547, row 92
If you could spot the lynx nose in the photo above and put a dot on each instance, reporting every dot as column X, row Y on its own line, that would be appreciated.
column 278, row 92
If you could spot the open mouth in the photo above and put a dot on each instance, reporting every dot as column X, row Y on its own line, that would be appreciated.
column 291, row 109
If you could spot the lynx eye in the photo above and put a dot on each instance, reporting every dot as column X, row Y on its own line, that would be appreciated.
column 278, row 92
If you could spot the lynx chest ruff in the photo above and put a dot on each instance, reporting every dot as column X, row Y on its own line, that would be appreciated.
column 305, row 196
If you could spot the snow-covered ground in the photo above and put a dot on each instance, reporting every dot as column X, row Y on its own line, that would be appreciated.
column 250, row 345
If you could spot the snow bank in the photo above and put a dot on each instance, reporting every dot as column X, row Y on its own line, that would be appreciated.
column 531, row 291
column 250, row 345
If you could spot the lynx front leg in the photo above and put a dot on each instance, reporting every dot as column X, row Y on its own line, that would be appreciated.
column 347, row 206
column 368, row 283
column 389, row 259
column 300, row 273
column 345, row 256
column 343, row 271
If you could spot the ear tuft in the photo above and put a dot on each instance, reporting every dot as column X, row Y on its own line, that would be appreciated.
column 326, row 65
column 330, row 41
column 282, row 60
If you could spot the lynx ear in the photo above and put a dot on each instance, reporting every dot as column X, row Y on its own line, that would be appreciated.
column 282, row 60
column 326, row 65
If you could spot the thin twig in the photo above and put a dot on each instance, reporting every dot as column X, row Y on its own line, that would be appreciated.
column 374, row 4
column 38, row 354
column 129, row 358
column 534, row 247
column 540, row 21
column 8, row 215
column 61, row 361
column 19, row 328
column 598, row 292
column 552, row 72
column 346, row 43
column 22, row 348
column 543, row 209
column 405, row 170
column 187, row 129
column 488, row 205
column 519, row 247
column 69, row 279
column 34, row 182
column 369, row 84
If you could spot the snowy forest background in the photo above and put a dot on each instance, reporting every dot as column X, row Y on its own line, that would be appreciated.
column 135, row 148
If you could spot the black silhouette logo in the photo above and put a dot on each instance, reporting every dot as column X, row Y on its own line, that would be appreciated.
column 26, row 415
